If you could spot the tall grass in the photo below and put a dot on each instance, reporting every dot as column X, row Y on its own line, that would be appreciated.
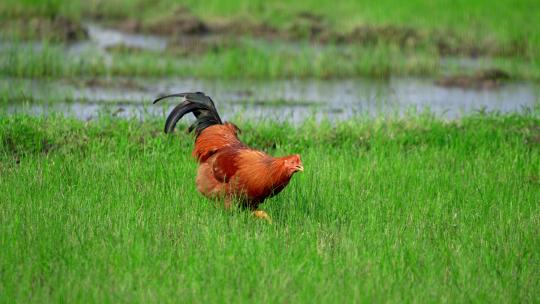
column 396, row 210
column 247, row 60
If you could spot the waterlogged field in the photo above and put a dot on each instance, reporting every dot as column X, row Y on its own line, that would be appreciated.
column 261, row 39
column 407, row 209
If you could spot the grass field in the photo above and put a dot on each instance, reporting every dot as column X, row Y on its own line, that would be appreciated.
column 251, row 60
column 407, row 209
column 392, row 38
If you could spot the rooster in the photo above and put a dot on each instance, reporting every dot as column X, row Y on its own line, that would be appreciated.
column 229, row 170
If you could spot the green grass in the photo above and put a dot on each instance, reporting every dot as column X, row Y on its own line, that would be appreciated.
column 251, row 59
column 388, row 210
column 248, row 61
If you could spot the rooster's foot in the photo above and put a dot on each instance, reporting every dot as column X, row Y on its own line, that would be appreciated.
column 262, row 215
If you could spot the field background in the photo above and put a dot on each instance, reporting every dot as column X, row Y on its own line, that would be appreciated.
column 397, row 207
column 352, row 38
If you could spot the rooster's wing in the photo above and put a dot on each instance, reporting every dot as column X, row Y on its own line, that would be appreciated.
column 225, row 165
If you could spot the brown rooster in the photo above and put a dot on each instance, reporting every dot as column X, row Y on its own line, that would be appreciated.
column 228, row 169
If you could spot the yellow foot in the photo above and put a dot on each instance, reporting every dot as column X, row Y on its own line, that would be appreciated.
column 262, row 215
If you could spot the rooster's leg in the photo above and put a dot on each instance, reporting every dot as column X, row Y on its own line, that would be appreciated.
column 227, row 203
column 262, row 215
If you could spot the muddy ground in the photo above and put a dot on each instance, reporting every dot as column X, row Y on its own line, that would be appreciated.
column 56, row 29
column 484, row 79
column 312, row 27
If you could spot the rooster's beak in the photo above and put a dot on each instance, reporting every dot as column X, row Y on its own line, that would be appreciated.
column 299, row 168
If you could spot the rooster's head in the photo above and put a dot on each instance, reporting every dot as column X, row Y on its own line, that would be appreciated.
column 293, row 164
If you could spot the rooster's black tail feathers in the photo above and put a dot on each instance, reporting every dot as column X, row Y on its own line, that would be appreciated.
column 200, row 105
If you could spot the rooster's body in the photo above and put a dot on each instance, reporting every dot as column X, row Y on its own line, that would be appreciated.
column 228, row 169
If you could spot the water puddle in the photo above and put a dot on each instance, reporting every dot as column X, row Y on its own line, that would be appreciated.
column 104, row 38
column 294, row 100
column 101, row 38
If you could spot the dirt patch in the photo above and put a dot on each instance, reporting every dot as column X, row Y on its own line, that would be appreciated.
column 105, row 83
column 184, row 23
column 315, row 28
column 69, row 30
column 308, row 26
column 193, row 45
column 304, row 26
column 449, row 43
column 243, row 27
column 130, row 26
column 445, row 43
column 180, row 22
column 124, row 49
column 276, row 103
column 485, row 80
column 56, row 29
column 402, row 36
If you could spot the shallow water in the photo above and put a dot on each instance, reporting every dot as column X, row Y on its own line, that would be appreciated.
column 102, row 38
column 293, row 100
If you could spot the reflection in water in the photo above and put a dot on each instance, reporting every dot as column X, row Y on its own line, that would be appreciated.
column 276, row 99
